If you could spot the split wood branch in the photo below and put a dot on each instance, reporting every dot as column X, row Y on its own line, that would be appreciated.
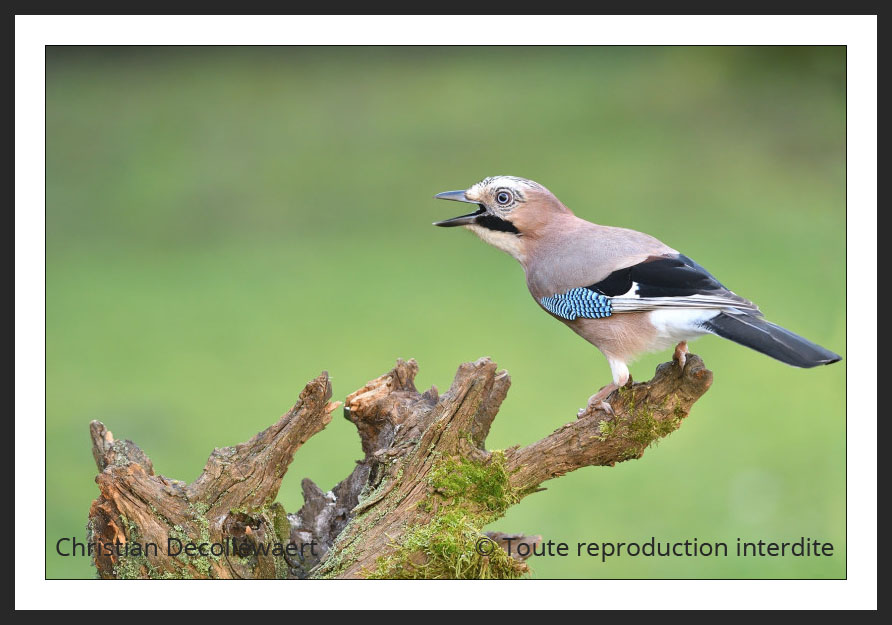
column 414, row 505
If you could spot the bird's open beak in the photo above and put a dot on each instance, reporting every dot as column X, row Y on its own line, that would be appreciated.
column 463, row 220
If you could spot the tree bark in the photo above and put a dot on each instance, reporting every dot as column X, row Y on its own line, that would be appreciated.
column 414, row 506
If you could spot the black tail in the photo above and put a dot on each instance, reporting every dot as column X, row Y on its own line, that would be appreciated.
column 769, row 339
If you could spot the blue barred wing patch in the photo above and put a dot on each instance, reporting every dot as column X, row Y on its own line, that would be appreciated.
column 578, row 302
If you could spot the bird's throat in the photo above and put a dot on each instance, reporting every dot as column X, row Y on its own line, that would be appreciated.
column 504, row 240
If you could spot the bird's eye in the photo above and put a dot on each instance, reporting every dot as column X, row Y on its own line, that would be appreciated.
column 503, row 197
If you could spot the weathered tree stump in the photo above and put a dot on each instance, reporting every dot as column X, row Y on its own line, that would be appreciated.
column 414, row 506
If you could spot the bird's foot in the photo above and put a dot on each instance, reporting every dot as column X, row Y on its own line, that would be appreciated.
column 598, row 401
column 681, row 354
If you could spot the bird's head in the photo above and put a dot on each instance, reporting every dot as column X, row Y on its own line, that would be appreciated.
column 509, row 209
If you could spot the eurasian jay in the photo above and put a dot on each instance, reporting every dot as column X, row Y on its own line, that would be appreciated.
column 623, row 291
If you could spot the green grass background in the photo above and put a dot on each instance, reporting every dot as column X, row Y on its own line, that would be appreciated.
column 224, row 223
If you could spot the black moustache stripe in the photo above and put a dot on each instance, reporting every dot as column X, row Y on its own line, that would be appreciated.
column 492, row 222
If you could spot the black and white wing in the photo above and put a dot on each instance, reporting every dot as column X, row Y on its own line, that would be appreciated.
column 668, row 282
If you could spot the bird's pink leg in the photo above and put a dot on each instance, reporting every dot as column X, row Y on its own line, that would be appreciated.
column 599, row 399
column 621, row 378
column 681, row 354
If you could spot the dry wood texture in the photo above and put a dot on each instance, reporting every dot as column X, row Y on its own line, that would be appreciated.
column 414, row 506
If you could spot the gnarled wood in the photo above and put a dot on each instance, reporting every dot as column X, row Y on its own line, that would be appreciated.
column 231, row 500
column 425, row 469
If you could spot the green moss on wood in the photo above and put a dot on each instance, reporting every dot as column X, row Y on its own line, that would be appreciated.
column 642, row 427
column 606, row 427
column 280, row 522
column 485, row 486
column 466, row 495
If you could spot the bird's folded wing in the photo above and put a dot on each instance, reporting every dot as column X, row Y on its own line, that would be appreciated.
column 659, row 282
column 630, row 304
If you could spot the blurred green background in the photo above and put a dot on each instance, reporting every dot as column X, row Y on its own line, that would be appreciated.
column 224, row 223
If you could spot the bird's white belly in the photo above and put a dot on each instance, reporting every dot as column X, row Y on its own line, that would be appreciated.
column 680, row 324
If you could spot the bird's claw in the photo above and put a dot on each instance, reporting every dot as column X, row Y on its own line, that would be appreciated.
column 596, row 404
column 681, row 354
column 598, row 401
